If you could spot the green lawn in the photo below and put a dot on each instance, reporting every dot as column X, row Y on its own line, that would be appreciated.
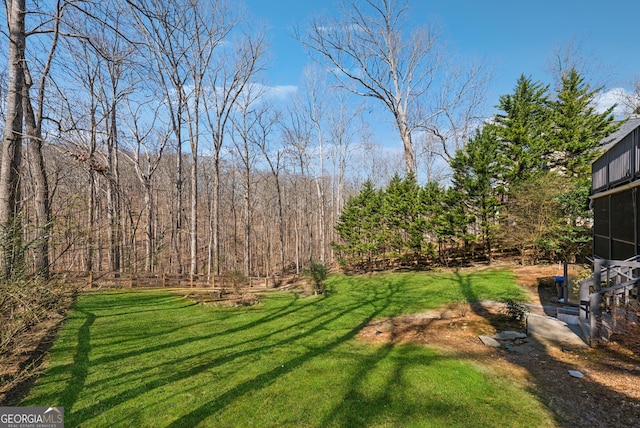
column 141, row 358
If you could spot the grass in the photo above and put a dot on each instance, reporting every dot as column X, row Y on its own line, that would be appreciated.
column 154, row 359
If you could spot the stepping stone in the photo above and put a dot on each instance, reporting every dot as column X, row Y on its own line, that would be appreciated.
column 576, row 373
column 489, row 341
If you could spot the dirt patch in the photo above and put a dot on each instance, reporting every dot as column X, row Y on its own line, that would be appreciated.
column 608, row 394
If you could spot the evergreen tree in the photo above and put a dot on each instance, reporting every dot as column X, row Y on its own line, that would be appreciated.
column 403, row 213
column 359, row 227
column 576, row 132
column 523, row 129
column 434, row 197
column 477, row 181
column 577, row 127
column 571, row 238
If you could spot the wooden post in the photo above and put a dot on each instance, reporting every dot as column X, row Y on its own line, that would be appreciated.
column 213, row 281
column 164, row 279
column 266, row 282
column 191, row 280
column 90, row 279
column 595, row 309
column 595, row 301
column 131, row 280
column 565, row 284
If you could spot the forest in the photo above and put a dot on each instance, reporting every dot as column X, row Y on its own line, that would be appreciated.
column 143, row 137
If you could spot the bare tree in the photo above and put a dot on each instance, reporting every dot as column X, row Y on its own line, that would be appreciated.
column 148, row 145
column 244, row 137
column 12, row 142
column 274, row 158
column 572, row 56
column 158, row 24
column 631, row 100
column 371, row 55
column 99, row 61
column 313, row 104
column 33, row 131
column 237, row 65
column 345, row 127
column 297, row 135
column 80, row 125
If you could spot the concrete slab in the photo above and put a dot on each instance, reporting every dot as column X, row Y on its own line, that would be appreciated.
column 555, row 331
column 569, row 319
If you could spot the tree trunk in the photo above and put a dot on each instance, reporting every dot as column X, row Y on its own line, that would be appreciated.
column 113, row 196
column 216, row 213
column 409, row 150
column 193, row 231
column 12, row 144
column 149, row 235
column 41, row 188
column 247, row 223
column 91, row 244
column 177, row 232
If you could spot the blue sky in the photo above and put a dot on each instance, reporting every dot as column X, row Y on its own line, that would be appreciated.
column 517, row 37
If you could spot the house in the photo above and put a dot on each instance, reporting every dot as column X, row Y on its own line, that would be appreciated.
column 616, row 207
column 616, row 234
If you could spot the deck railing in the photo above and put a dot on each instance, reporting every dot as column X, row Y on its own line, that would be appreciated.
column 606, row 292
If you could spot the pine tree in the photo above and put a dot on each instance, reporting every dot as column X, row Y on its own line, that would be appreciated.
column 403, row 213
column 577, row 127
column 523, row 129
column 576, row 132
column 359, row 227
column 477, row 180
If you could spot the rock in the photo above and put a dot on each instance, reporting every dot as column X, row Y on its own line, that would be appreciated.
column 448, row 315
column 489, row 341
column 576, row 373
column 522, row 349
column 385, row 327
column 510, row 335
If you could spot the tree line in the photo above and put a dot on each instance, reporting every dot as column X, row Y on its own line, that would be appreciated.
column 520, row 183
column 144, row 136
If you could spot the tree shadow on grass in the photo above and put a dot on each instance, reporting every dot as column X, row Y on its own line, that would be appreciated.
column 81, row 363
column 263, row 380
column 315, row 322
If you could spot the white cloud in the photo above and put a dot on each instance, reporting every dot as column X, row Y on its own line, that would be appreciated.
column 260, row 92
column 280, row 92
column 613, row 96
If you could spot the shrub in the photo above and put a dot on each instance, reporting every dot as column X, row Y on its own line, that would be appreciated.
column 515, row 309
column 317, row 273
column 235, row 278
